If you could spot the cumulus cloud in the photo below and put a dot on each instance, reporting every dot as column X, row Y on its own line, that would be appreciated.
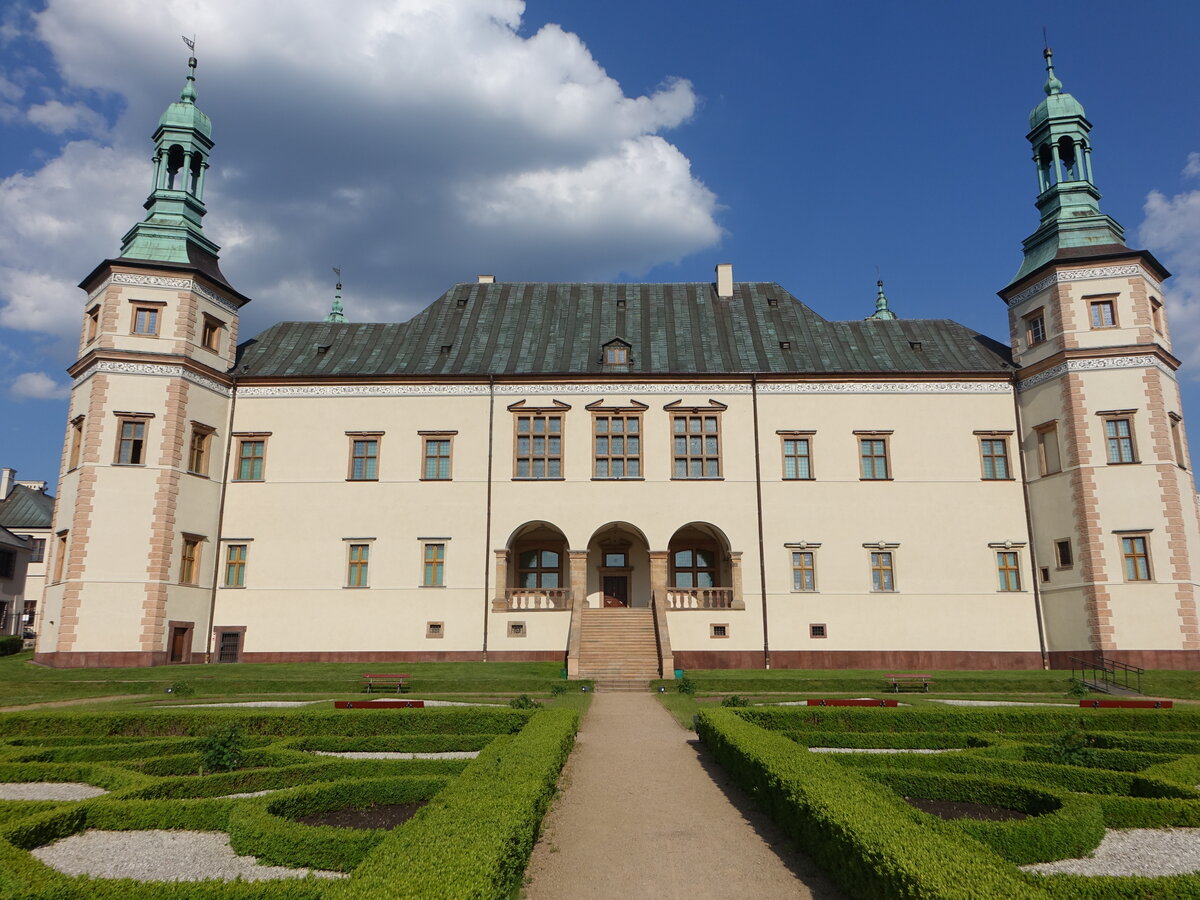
column 1171, row 229
column 414, row 142
column 38, row 386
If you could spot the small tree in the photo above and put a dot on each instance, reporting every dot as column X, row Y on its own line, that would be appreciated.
column 222, row 750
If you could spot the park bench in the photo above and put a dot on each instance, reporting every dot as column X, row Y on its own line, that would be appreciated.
column 897, row 681
column 390, row 682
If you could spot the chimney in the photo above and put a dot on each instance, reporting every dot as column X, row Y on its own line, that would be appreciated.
column 725, row 280
column 7, row 479
column 485, row 279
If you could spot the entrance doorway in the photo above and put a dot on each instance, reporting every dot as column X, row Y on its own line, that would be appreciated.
column 616, row 590
column 179, row 642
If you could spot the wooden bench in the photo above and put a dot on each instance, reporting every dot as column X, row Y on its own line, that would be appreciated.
column 897, row 681
column 398, row 682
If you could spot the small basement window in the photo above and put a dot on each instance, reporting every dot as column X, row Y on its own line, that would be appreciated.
column 817, row 631
column 435, row 629
column 516, row 629
column 718, row 631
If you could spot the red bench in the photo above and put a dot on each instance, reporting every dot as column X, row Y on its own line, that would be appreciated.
column 399, row 682
column 378, row 704
column 896, row 681
column 1126, row 704
column 856, row 702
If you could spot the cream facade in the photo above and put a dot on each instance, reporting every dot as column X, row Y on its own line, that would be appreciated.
column 766, row 487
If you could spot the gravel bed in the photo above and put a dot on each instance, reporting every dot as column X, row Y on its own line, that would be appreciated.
column 1149, row 852
column 49, row 790
column 263, row 703
column 1000, row 703
column 246, row 794
column 879, row 750
column 805, row 702
column 361, row 754
column 160, row 856
column 436, row 702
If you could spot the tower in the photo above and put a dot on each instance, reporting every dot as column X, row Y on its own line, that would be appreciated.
column 134, row 545
column 1110, row 489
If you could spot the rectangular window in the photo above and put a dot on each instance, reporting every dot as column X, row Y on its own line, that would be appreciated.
column 93, row 323
column 364, row 459
column 435, row 566
column 76, row 442
column 251, row 456
column 697, row 446
column 718, row 631
column 882, row 573
column 873, row 458
column 235, row 565
column 1137, row 558
column 818, row 631
column 359, row 559
column 1035, row 327
column 993, row 453
column 189, row 564
column 211, row 333
column 1118, row 435
column 1008, row 568
column 1063, row 556
column 229, row 646
column 131, row 446
column 1049, row 460
column 797, row 458
column 60, row 556
column 145, row 320
column 1103, row 314
column 435, row 629
column 616, row 355
column 618, row 446
column 8, row 565
column 437, row 459
column 539, row 446
column 198, row 449
column 1177, row 440
column 1156, row 315
column 39, row 550
column 804, row 570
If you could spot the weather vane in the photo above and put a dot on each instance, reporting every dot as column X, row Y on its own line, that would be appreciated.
column 337, row 270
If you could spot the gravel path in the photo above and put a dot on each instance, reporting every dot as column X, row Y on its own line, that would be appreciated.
column 246, row 794
column 879, row 750
column 49, row 790
column 1137, row 851
column 278, row 704
column 363, row 754
column 645, row 812
column 160, row 856
column 999, row 703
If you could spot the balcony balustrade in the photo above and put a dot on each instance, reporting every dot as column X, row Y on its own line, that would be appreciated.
column 537, row 598
column 700, row 598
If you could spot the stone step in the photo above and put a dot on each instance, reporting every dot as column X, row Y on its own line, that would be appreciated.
column 615, row 685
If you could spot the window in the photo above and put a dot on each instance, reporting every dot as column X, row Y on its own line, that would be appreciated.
column 435, row 629
column 76, row 442
column 1118, row 433
column 93, row 323
column 251, row 456
column 539, row 568
column 1156, row 315
column 1103, row 314
column 1008, row 568
column 993, row 452
column 359, row 559
column 818, row 631
column 1137, row 558
column 718, row 631
column 797, row 456
column 131, row 445
column 1063, row 556
column 539, row 446
column 1035, row 327
column 39, row 549
column 697, row 446
column 146, row 319
column 616, row 355
column 1177, row 439
column 516, row 629
column 882, row 573
column 364, row 459
column 1045, row 573
column 437, row 458
column 198, row 449
column 435, row 566
column 229, row 644
column 873, row 457
column 235, row 565
column 60, row 556
column 804, row 571
column 189, row 565
column 8, row 563
column 694, row 567
column 618, row 446
column 1049, row 460
column 211, row 333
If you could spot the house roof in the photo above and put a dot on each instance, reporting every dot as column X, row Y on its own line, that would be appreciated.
column 8, row 539
column 519, row 328
column 26, row 508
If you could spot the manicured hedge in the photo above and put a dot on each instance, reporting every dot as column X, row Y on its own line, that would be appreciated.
column 10, row 644
column 389, row 743
column 998, row 719
column 868, row 840
column 1093, row 887
column 885, row 739
column 111, row 778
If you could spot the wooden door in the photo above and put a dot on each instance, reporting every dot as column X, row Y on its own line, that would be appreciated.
column 179, row 638
column 616, row 590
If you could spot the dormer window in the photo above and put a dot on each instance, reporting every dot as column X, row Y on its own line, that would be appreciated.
column 615, row 353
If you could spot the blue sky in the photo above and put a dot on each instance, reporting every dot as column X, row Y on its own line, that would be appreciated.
column 417, row 143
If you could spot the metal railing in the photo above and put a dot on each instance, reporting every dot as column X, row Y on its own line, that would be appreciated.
column 700, row 598
column 1103, row 673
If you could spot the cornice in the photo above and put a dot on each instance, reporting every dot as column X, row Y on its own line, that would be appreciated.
column 164, row 367
column 163, row 281
column 1094, row 364
column 1090, row 274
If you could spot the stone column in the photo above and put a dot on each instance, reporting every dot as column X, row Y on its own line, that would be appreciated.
column 735, row 578
column 577, row 577
column 659, row 572
column 501, row 578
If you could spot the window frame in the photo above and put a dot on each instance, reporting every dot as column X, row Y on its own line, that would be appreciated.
column 1177, row 435
column 60, row 555
column 539, row 571
column 1001, row 437
column 884, row 437
column 365, row 438
column 8, row 564
column 358, row 564
column 807, row 456
column 718, row 630
column 1126, row 444
column 625, row 415
column 882, row 571
column 1130, row 554
column 1063, row 561
column 92, row 330
column 1044, row 432
column 1008, row 570
column 1100, row 304
column 438, row 562
column 431, row 437
column 236, row 460
column 677, row 412
column 190, row 555
column 154, row 311
column 799, row 569
column 210, row 332
column 199, row 449
column 75, row 453
column 813, row 632
column 38, row 553
column 1156, row 316
column 673, row 569
column 238, row 564
column 1035, row 327
column 548, row 414
column 132, row 418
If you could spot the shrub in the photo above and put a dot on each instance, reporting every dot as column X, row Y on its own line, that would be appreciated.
column 1071, row 748
column 223, row 749
column 685, row 685
column 1077, row 689
column 10, row 644
column 734, row 700
column 524, row 702
column 558, row 689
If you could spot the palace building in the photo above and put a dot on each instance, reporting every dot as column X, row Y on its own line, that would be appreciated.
column 628, row 478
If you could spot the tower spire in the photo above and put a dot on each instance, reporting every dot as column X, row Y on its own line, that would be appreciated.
column 337, row 314
column 882, row 313
column 1068, row 199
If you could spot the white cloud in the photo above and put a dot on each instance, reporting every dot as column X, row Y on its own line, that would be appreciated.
column 57, row 117
column 37, row 386
column 414, row 142
column 1171, row 229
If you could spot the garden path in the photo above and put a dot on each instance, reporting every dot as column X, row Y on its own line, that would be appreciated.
column 644, row 811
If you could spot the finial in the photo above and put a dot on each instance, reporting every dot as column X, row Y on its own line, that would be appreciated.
column 188, row 94
column 1053, row 85
column 336, row 314
column 881, row 305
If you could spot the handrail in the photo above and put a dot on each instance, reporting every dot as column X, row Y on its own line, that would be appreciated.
column 1112, row 672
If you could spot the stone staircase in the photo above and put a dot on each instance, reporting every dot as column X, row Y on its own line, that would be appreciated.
column 617, row 648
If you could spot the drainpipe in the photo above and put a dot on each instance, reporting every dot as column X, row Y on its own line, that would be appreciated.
column 1036, row 580
column 762, row 560
column 487, row 528
column 212, row 603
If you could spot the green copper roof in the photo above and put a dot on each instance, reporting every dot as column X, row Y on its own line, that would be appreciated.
column 1057, row 104
column 672, row 329
column 185, row 114
column 26, row 508
column 882, row 313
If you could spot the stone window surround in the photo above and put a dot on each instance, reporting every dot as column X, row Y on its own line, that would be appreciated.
column 426, row 438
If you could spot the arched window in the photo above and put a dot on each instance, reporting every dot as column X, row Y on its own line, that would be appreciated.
column 539, row 568
column 694, row 567
column 1070, row 162
column 174, row 164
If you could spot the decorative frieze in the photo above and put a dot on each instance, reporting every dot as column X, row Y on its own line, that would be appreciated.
column 155, row 369
column 1093, row 365
column 162, row 281
column 1079, row 275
